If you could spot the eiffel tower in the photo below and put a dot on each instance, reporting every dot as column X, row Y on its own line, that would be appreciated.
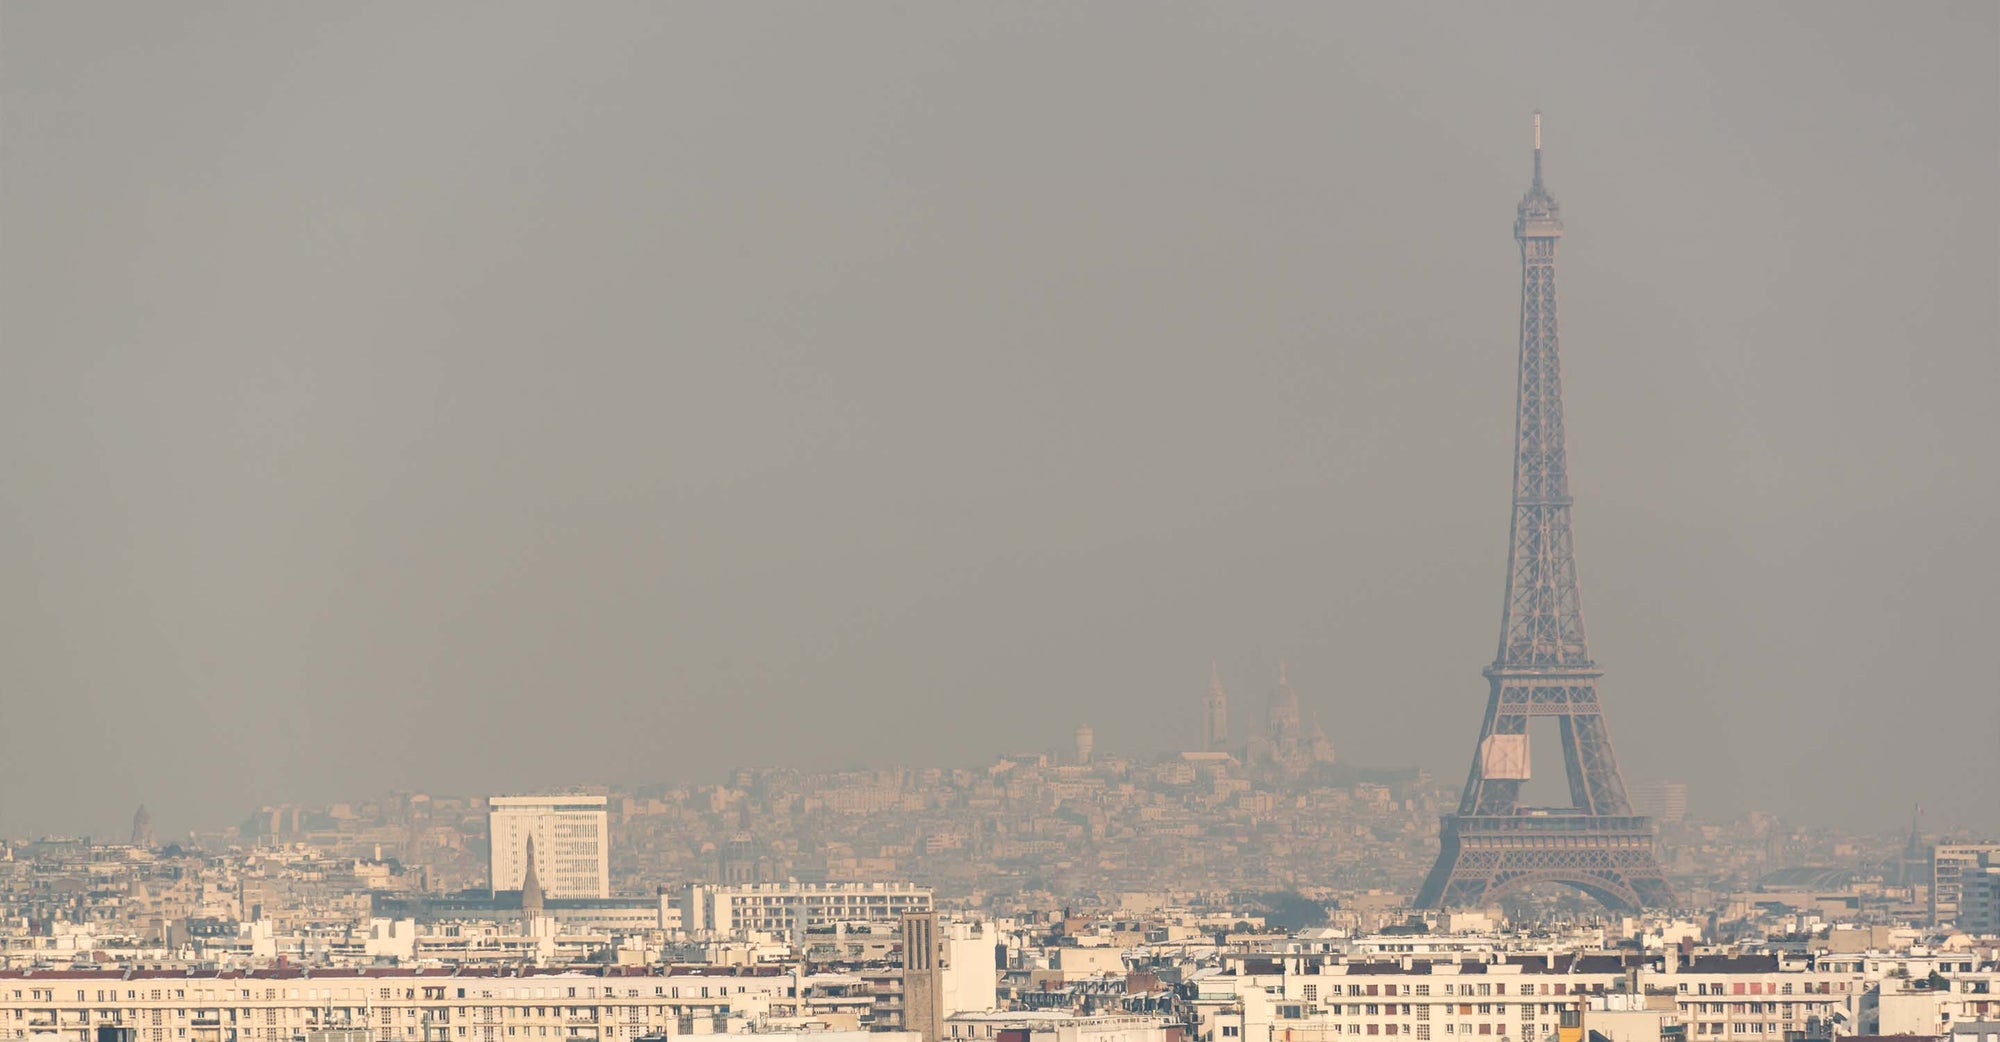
column 1493, row 844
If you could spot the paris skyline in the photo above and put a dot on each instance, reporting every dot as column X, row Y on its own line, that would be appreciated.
column 475, row 400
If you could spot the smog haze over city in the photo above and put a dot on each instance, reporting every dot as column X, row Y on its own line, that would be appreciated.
column 509, row 397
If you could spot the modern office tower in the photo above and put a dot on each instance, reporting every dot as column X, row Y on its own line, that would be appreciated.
column 1659, row 800
column 571, row 844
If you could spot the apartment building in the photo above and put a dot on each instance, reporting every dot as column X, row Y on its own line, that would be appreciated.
column 1521, row 997
column 948, row 968
column 1758, row 998
column 1951, row 863
column 1326, row 998
column 570, row 837
column 1979, row 896
column 785, row 908
column 391, row 1005
column 1930, row 1005
column 1051, row 1026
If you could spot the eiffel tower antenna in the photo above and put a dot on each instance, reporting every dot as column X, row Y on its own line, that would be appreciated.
column 1538, row 148
column 1543, row 667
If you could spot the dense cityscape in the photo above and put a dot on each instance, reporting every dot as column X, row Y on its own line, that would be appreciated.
column 1257, row 889
column 1203, row 894
column 1268, row 885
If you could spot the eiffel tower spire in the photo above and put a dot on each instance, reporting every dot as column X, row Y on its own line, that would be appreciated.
column 1543, row 665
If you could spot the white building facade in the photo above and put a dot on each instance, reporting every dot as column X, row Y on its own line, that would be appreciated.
column 782, row 908
column 390, row 1005
column 572, row 844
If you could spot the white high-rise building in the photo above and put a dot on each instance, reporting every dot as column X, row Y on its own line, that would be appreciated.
column 572, row 845
column 1950, row 864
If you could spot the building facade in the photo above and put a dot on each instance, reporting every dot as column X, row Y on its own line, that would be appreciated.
column 393, row 1005
column 571, row 843
column 1950, row 864
column 1659, row 800
column 785, row 908
column 1522, row 997
column 1979, row 898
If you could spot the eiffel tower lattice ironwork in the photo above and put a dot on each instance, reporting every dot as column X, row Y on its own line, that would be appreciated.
column 1494, row 844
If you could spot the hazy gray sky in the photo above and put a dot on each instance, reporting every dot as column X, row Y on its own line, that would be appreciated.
column 483, row 397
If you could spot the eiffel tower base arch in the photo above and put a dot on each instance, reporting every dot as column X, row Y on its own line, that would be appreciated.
column 1484, row 857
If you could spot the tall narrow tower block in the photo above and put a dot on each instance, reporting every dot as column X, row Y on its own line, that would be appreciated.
column 1543, row 668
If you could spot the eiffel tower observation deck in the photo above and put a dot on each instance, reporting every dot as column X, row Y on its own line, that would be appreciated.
column 1494, row 844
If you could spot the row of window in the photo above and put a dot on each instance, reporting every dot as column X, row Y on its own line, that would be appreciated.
column 1423, row 1010
column 1751, row 1007
column 1311, row 991
column 350, row 994
column 1758, row 987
